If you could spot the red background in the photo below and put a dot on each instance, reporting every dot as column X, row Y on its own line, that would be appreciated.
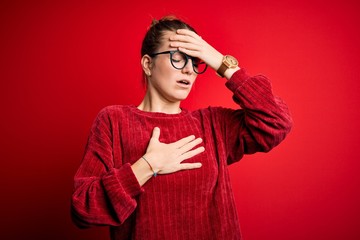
column 61, row 62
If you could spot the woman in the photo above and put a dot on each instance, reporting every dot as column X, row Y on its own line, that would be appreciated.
column 157, row 171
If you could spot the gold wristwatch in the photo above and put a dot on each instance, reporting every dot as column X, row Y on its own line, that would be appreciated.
column 227, row 62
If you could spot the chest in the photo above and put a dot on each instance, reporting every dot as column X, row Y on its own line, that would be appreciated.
column 134, row 139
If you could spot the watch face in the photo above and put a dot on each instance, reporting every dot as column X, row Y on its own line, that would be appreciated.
column 232, row 62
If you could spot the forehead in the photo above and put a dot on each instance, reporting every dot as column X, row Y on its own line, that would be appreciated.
column 165, row 42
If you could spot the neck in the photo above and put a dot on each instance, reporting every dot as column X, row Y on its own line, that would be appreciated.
column 150, row 104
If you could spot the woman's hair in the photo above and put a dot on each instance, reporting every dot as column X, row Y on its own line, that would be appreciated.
column 153, row 37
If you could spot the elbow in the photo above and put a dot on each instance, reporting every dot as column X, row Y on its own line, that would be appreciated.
column 278, row 134
column 285, row 126
column 78, row 220
column 79, row 216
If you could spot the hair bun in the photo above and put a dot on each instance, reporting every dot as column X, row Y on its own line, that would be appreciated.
column 154, row 22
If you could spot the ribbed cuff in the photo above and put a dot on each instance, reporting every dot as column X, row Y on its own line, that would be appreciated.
column 122, row 187
column 124, row 178
column 237, row 80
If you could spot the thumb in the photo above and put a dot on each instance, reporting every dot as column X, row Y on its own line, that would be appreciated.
column 156, row 133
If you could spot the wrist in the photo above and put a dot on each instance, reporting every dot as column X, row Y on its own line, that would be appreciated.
column 150, row 166
column 228, row 73
column 228, row 66
column 218, row 61
column 141, row 171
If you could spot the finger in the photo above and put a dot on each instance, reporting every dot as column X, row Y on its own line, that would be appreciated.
column 188, row 32
column 186, row 42
column 182, row 38
column 190, row 145
column 156, row 133
column 188, row 45
column 189, row 49
column 193, row 53
column 187, row 166
column 192, row 153
column 183, row 141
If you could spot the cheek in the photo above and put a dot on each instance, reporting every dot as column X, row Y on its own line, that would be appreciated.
column 163, row 69
column 160, row 65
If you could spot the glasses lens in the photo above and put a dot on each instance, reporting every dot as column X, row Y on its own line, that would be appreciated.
column 199, row 66
column 178, row 59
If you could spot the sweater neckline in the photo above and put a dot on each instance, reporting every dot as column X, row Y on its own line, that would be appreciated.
column 134, row 109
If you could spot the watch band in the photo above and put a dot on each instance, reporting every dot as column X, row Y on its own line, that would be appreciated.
column 222, row 69
column 227, row 62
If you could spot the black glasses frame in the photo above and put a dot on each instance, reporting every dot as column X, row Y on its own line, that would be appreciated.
column 186, row 61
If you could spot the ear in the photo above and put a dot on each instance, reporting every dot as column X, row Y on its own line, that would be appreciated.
column 146, row 63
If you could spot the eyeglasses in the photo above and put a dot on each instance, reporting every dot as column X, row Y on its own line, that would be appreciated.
column 179, row 60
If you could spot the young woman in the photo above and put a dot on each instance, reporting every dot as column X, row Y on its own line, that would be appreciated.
column 158, row 171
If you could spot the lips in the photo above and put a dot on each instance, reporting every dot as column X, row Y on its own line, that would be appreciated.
column 184, row 82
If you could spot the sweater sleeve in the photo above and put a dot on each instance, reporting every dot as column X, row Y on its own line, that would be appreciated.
column 262, row 121
column 103, row 194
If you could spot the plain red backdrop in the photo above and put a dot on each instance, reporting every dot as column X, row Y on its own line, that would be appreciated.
column 61, row 62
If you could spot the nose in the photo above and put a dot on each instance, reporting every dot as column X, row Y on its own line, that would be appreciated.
column 188, row 69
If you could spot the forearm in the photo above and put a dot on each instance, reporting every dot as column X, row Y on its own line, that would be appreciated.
column 107, row 199
column 263, row 120
column 229, row 72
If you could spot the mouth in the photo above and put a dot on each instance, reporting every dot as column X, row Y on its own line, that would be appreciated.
column 184, row 82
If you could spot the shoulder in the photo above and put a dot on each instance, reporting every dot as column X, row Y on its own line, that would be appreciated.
column 213, row 113
column 114, row 109
column 113, row 112
column 211, row 110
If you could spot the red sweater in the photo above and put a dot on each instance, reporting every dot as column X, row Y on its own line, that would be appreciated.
column 190, row 204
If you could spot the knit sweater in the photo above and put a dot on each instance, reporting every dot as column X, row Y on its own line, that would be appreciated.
column 189, row 204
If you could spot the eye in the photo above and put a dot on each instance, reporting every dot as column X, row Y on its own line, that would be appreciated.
column 178, row 57
column 197, row 62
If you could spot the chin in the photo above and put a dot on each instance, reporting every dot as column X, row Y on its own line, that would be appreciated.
column 182, row 97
